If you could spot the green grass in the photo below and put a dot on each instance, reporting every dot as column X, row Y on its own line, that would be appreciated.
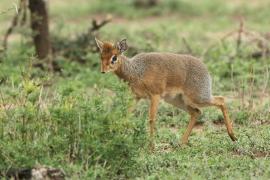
column 79, row 121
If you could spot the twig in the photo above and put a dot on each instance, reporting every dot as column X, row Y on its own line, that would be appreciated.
column 221, row 39
column 257, row 36
column 6, row 11
column 266, row 80
column 187, row 45
column 239, row 39
column 240, row 32
column 11, row 8
column 24, row 13
column 96, row 26
column 14, row 22
column 251, row 88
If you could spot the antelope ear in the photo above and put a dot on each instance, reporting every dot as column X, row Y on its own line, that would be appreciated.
column 99, row 44
column 122, row 45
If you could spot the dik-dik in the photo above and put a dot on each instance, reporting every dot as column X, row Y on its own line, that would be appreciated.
column 180, row 80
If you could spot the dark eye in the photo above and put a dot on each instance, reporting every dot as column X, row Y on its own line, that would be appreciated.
column 114, row 58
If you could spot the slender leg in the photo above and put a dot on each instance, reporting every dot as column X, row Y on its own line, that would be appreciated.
column 218, row 101
column 194, row 114
column 152, row 117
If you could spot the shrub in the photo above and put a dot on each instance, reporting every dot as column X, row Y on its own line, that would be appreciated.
column 88, row 130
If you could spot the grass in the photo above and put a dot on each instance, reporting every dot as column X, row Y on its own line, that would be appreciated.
column 79, row 120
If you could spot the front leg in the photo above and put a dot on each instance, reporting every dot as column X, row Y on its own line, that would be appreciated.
column 152, row 117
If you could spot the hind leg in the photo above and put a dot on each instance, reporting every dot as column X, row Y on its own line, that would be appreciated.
column 178, row 101
column 219, row 102
column 194, row 114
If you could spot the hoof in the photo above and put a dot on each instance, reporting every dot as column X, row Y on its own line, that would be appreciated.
column 233, row 138
column 184, row 143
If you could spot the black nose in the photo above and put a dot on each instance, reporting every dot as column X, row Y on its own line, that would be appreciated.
column 102, row 72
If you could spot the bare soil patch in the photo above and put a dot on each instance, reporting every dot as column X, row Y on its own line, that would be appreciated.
column 253, row 154
column 218, row 122
column 163, row 148
column 174, row 128
column 260, row 122
column 198, row 128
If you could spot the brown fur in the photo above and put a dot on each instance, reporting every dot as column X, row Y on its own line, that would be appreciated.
column 180, row 80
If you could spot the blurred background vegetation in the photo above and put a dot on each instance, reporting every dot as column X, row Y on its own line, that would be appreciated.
column 58, row 110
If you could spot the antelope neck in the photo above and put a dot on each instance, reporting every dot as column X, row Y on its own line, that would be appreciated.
column 126, row 69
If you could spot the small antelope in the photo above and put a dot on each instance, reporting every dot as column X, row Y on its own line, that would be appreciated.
column 180, row 80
